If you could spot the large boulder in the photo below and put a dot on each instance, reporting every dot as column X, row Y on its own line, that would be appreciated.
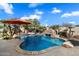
column 68, row 44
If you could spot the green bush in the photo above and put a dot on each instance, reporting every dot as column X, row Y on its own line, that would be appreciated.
column 1, row 26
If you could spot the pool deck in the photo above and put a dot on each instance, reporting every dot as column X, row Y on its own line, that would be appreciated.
column 8, row 48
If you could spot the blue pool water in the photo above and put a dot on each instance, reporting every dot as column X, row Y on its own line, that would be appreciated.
column 39, row 42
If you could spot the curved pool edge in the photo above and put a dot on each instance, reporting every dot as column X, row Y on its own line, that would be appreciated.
column 25, row 52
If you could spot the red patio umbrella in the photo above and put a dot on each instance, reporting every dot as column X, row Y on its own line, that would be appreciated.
column 16, row 21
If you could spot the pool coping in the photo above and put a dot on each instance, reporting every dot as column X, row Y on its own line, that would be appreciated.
column 25, row 52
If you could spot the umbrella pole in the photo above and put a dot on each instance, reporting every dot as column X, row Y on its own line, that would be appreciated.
column 10, row 31
column 4, row 29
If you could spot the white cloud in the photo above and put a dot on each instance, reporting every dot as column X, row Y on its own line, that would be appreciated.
column 34, row 16
column 38, row 12
column 72, row 22
column 73, row 13
column 33, row 5
column 24, row 17
column 6, row 7
column 37, row 15
column 55, row 10
column 11, row 6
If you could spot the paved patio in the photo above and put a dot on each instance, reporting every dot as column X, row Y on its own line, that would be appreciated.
column 8, row 48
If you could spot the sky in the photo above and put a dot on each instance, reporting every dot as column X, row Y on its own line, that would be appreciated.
column 46, row 13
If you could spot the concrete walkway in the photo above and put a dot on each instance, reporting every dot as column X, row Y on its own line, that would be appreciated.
column 8, row 48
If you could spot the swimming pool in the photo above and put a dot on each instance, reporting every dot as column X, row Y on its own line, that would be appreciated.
column 39, row 42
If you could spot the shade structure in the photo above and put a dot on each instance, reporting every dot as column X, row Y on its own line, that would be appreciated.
column 16, row 21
